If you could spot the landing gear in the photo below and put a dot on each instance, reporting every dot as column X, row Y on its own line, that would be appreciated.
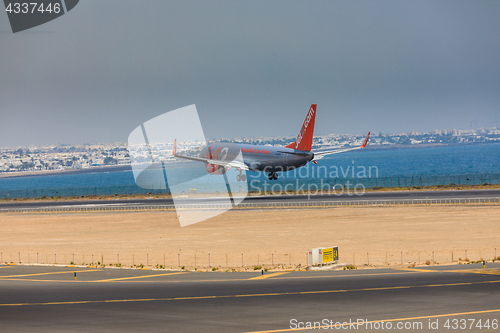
column 272, row 176
column 241, row 177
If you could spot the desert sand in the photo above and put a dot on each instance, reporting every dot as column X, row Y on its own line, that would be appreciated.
column 271, row 238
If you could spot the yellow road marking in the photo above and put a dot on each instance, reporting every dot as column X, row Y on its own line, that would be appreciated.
column 418, row 270
column 255, row 295
column 266, row 276
column 228, row 280
column 340, row 275
column 386, row 320
column 478, row 271
column 281, row 277
column 140, row 277
column 34, row 274
column 40, row 280
column 399, row 271
column 492, row 272
column 474, row 271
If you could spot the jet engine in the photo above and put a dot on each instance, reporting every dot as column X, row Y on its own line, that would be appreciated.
column 216, row 169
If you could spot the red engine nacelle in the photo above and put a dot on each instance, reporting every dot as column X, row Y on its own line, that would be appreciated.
column 216, row 169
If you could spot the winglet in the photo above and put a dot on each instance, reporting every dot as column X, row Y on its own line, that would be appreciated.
column 174, row 152
column 366, row 141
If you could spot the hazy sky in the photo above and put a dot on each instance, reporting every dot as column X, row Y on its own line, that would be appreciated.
column 251, row 67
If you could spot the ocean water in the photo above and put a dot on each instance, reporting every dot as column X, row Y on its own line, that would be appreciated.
column 429, row 161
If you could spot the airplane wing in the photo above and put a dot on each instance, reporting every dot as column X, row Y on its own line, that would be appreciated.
column 228, row 164
column 294, row 153
column 337, row 150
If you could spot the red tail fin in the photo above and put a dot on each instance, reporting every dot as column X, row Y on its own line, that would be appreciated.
column 305, row 138
column 366, row 141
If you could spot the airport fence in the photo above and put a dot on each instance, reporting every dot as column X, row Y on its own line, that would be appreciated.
column 261, row 205
column 254, row 260
column 64, row 192
column 296, row 185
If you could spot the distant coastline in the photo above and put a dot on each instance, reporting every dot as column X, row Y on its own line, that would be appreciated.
column 111, row 168
column 128, row 167
column 423, row 145
column 397, row 146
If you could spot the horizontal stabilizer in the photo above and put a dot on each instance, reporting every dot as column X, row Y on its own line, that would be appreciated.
column 340, row 150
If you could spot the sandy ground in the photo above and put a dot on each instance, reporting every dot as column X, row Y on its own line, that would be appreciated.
column 255, row 237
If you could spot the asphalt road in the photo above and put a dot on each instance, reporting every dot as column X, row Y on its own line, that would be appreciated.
column 48, row 299
column 369, row 196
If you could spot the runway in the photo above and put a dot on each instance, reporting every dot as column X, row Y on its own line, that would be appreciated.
column 48, row 299
column 366, row 197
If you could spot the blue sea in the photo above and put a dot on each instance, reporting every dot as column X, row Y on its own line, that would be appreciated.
column 428, row 161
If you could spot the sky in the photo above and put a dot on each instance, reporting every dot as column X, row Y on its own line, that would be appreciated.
column 252, row 68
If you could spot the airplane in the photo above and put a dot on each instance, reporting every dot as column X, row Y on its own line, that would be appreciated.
column 219, row 157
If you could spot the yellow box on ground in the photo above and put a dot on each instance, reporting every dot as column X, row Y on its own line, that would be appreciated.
column 323, row 255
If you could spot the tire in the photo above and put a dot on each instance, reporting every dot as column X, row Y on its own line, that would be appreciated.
column 238, row 178
column 244, row 178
